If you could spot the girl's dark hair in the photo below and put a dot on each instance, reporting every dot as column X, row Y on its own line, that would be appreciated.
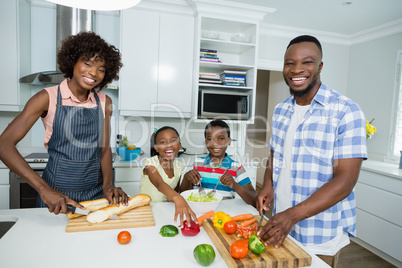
column 86, row 44
column 155, row 135
column 217, row 123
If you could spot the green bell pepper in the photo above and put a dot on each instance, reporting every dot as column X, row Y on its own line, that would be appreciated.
column 169, row 231
column 255, row 245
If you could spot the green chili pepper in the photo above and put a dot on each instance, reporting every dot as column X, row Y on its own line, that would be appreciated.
column 255, row 245
column 169, row 231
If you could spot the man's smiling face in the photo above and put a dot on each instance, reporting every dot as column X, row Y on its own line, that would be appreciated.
column 302, row 67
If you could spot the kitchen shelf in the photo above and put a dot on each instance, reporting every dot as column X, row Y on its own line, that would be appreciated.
column 225, row 87
column 224, row 66
column 226, row 46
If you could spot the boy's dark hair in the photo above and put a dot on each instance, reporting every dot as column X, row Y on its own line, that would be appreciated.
column 305, row 38
column 86, row 44
column 155, row 135
column 217, row 123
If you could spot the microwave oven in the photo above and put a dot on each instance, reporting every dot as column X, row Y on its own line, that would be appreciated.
column 223, row 103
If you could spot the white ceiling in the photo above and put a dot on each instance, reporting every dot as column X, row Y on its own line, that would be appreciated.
column 331, row 15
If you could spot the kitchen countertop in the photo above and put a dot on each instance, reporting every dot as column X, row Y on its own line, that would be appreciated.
column 38, row 239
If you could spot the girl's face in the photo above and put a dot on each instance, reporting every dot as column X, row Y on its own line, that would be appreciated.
column 217, row 141
column 88, row 73
column 167, row 144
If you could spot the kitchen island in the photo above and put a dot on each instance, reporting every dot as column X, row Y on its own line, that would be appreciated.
column 39, row 239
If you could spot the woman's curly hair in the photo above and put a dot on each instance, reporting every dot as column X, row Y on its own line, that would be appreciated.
column 86, row 44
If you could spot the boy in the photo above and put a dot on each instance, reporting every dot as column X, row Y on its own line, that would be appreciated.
column 209, row 169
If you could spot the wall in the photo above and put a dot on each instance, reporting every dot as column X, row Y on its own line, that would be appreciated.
column 371, row 82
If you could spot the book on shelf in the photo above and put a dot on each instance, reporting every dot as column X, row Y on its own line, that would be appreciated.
column 210, row 76
column 210, row 81
column 209, row 60
column 208, row 53
column 209, row 57
column 232, row 72
column 208, row 50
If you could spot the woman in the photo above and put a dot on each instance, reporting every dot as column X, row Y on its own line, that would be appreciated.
column 77, row 123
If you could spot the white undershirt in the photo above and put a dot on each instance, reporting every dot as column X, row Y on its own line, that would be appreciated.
column 284, row 187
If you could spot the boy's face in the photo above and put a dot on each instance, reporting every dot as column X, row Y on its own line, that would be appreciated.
column 217, row 141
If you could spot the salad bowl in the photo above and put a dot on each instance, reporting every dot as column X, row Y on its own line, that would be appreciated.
column 201, row 204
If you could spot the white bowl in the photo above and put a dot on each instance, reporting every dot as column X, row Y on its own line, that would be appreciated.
column 201, row 208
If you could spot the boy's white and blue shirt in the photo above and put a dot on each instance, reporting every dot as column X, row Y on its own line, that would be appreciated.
column 210, row 173
column 333, row 128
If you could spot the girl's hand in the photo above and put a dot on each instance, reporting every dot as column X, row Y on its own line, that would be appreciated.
column 193, row 176
column 110, row 192
column 182, row 208
column 228, row 180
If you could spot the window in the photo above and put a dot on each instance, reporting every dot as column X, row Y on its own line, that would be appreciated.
column 397, row 133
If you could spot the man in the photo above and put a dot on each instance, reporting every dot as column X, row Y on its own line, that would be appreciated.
column 318, row 143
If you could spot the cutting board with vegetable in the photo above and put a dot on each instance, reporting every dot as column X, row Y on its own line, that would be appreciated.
column 287, row 255
column 137, row 217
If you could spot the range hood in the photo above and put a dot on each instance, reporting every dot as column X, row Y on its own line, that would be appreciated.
column 70, row 21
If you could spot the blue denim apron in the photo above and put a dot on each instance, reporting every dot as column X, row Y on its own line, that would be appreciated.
column 74, row 165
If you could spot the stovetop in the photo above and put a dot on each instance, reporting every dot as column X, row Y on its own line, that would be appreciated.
column 37, row 158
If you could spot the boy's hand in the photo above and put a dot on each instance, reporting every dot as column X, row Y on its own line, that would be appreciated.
column 193, row 176
column 228, row 180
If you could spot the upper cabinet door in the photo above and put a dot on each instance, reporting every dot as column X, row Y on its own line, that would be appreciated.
column 9, row 54
column 157, row 52
column 139, row 49
column 176, row 63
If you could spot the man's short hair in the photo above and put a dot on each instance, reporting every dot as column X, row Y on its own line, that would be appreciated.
column 305, row 38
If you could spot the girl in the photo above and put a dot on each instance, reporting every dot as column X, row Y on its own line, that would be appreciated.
column 161, row 174
column 77, row 128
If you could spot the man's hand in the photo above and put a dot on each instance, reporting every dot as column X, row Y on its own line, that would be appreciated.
column 264, row 199
column 278, row 228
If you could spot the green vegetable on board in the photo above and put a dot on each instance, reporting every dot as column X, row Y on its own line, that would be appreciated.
column 169, row 231
column 255, row 244
column 204, row 254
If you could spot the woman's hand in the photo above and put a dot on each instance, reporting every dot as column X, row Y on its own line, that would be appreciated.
column 182, row 208
column 57, row 202
column 110, row 192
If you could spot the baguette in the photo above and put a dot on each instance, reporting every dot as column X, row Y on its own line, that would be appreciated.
column 89, row 205
column 103, row 214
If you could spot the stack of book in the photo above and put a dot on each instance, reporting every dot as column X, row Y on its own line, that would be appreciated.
column 209, row 55
column 233, row 78
column 210, row 78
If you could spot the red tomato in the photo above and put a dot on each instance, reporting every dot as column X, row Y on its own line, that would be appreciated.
column 230, row 227
column 124, row 237
column 239, row 249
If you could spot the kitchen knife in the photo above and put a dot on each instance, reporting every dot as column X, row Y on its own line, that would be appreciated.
column 260, row 222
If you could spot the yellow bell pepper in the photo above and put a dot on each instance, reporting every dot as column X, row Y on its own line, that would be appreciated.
column 220, row 218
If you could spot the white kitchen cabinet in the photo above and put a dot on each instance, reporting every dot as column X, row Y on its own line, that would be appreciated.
column 157, row 52
column 4, row 188
column 128, row 178
column 379, row 213
column 14, row 18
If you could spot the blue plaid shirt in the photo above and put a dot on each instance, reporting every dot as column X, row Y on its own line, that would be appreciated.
column 333, row 128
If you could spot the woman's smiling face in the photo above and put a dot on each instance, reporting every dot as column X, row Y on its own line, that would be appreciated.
column 167, row 144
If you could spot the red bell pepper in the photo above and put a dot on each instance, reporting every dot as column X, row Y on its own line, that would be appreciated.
column 191, row 230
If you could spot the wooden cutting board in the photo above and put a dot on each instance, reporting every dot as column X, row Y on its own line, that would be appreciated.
column 287, row 255
column 137, row 217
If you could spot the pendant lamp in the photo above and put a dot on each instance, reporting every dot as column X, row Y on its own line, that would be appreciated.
column 105, row 5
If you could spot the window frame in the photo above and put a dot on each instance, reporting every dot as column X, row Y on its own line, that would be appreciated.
column 397, row 96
